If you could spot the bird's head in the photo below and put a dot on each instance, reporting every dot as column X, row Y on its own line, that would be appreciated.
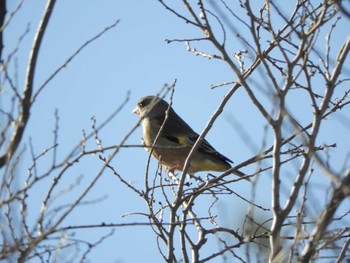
column 151, row 107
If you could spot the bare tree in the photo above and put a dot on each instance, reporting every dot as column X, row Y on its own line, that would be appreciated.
column 276, row 54
column 283, row 44
column 21, row 238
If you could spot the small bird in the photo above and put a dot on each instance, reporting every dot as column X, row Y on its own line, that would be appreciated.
column 176, row 139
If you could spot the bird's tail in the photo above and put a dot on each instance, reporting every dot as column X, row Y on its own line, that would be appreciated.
column 240, row 174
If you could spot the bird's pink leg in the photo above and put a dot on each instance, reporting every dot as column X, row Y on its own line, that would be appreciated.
column 174, row 167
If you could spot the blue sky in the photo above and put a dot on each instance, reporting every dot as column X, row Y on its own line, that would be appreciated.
column 133, row 57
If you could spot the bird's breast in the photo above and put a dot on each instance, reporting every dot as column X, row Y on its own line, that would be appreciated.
column 149, row 132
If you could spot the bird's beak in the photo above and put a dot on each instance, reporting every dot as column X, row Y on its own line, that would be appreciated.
column 136, row 111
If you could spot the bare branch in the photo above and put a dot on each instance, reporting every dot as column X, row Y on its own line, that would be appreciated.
column 28, row 89
column 338, row 196
column 74, row 55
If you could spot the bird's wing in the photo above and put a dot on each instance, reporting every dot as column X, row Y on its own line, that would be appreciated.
column 180, row 132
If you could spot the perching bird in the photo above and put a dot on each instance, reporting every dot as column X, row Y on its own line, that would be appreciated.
column 176, row 139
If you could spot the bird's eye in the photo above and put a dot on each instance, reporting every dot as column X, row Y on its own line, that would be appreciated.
column 141, row 104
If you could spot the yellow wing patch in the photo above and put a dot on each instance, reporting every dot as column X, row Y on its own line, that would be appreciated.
column 183, row 140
